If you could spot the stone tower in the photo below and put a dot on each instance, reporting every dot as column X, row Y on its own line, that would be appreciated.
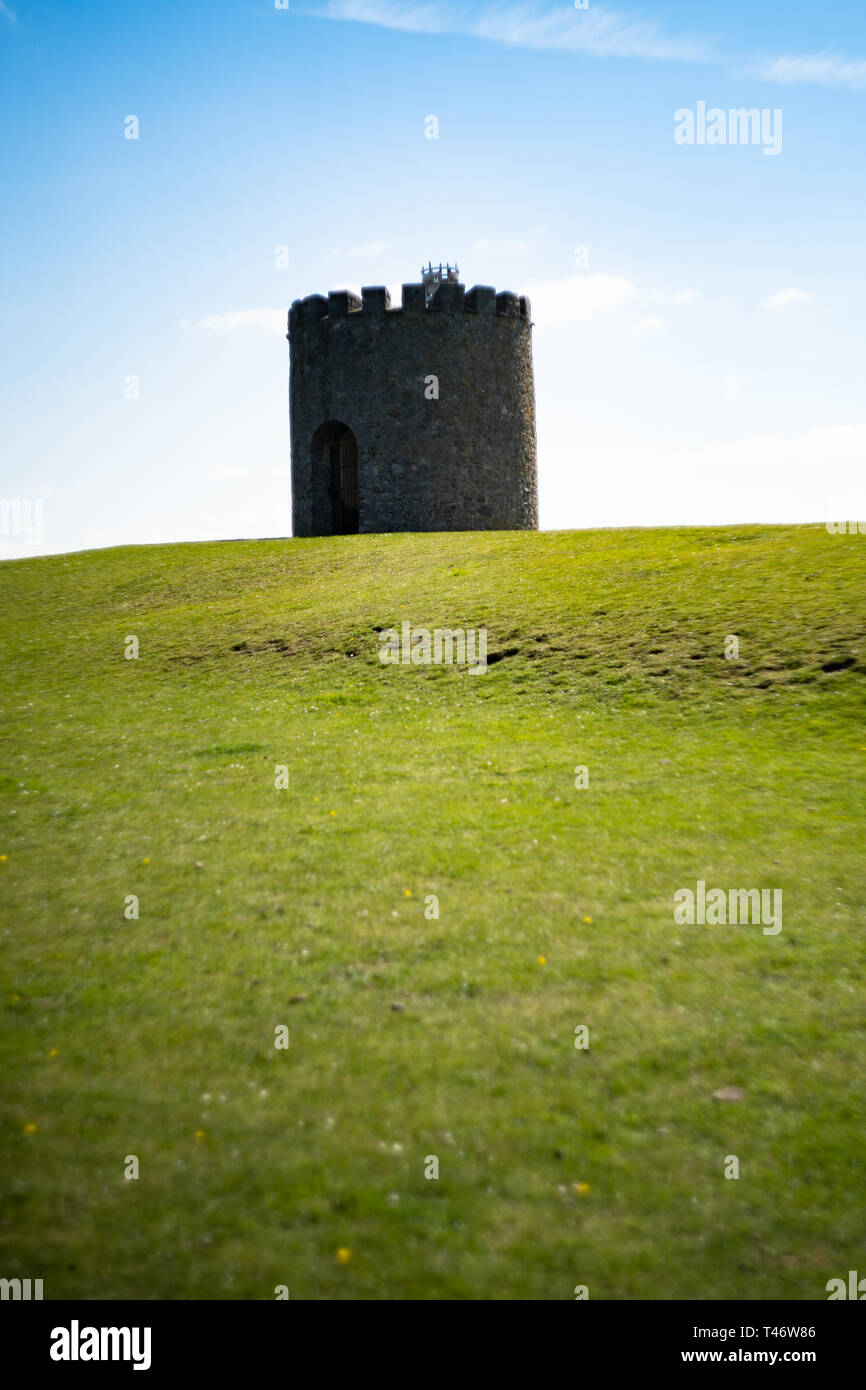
column 420, row 418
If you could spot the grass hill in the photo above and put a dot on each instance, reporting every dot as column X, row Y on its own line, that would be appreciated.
column 414, row 1036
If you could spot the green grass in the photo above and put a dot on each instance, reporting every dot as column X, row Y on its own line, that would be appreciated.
column 155, row 777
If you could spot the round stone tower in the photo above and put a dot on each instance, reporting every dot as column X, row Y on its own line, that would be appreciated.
column 420, row 418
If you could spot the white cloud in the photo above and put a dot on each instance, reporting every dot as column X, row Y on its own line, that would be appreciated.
column 388, row 14
column 579, row 298
column 815, row 476
column 265, row 320
column 783, row 298
column 226, row 470
column 685, row 296
column 8, row 12
column 809, row 452
column 601, row 34
column 816, row 69
column 651, row 325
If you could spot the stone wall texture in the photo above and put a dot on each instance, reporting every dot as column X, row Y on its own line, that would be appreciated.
column 466, row 461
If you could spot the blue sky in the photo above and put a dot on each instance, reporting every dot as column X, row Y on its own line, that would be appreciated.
column 701, row 361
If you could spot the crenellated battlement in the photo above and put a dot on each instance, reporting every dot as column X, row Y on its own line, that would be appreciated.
column 375, row 303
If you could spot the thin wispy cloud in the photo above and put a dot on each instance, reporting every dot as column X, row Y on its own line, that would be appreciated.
column 8, row 12
column 265, row 320
column 783, row 298
column 594, row 32
column 600, row 34
column 597, row 33
column 372, row 248
column 816, row 69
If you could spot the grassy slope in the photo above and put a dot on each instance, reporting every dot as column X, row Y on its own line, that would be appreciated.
column 417, row 781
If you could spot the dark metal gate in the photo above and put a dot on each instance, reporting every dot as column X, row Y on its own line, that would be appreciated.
column 344, row 483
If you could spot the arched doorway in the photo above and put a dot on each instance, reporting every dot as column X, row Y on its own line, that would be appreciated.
column 335, row 460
